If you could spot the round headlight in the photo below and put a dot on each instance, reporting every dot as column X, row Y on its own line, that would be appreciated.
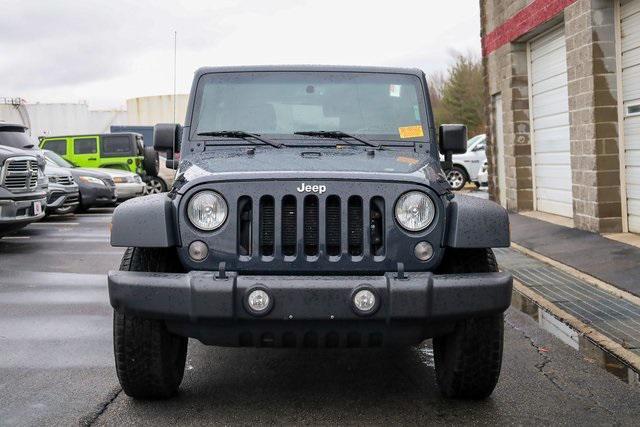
column 415, row 211
column 207, row 210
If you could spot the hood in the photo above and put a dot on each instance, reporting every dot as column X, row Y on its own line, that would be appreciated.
column 110, row 172
column 6, row 152
column 51, row 170
column 95, row 173
column 310, row 162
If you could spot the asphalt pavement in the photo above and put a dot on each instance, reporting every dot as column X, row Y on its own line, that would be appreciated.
column 56, row 363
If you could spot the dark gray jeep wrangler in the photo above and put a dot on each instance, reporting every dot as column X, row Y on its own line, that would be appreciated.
column 309, row 210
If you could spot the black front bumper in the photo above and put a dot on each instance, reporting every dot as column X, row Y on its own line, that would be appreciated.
column 212, row 309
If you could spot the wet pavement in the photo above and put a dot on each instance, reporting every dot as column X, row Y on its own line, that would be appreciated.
column 56, row 363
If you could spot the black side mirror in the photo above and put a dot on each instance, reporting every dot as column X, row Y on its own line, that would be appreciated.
column 453, row 140
column 171, row 162
column 166, row 137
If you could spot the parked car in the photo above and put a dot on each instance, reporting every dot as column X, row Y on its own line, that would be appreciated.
column 468, row 165
column 128, row 184
column 324, row 222
column 23, row 188
column 64, row 195
column 96, row 187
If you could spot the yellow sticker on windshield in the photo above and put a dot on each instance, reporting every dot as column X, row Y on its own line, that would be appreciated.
column 410, row 131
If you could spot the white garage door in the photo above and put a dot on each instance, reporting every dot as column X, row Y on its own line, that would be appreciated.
column 550, row 109
column 630, row 30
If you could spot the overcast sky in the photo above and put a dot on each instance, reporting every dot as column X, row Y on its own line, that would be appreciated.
column 105, row 51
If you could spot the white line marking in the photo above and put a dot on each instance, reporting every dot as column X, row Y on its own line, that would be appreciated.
column 15, row 237
column 55, row 223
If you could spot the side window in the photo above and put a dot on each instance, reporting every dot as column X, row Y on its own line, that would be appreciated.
column 58, row 146
column 85, row 146
column 116, row 146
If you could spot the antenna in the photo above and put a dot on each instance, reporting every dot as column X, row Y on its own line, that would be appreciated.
column 175, row 71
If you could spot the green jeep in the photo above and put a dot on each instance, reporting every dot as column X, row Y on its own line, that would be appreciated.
column 125, row 151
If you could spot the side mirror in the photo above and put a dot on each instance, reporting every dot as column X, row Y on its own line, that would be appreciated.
column 453, row 140
column 171, row 162
column 166, row 137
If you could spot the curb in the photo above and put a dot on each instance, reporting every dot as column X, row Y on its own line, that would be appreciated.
column 627, row 357
column 602, row 285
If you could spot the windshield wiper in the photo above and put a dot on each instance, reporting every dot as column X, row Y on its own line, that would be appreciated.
column 337, row 134
column 242, row 135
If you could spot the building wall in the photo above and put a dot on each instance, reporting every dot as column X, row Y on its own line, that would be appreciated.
column 151, row 110
column 507, row 27
column 61, row 118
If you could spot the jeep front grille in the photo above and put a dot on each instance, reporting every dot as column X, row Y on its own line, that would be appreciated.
column 20, row 174
column 310, row 226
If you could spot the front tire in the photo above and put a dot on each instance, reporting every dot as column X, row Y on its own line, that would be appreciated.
column 468, row 360
column 149, row 359
column 457, row 178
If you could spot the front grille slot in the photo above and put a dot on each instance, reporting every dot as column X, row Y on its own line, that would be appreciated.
column 267, row 225
column 334, row 228
column 355, row 225
column 376, row 226
column 65, row 180
column 311, row 224
column 289, row 225
column 245, row 216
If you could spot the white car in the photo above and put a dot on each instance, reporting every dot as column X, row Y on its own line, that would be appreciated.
column 467, row 166
column 128, row 184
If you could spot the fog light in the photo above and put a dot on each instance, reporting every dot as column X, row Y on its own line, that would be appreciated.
column 423, row 251
column 258, row 301
column 365, row 301
column 198, row 250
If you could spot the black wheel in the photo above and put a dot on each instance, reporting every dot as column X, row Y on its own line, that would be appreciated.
column 457, row 178
column 469, row 359
column 149, row 359
column 151, row 161
column 154, row 185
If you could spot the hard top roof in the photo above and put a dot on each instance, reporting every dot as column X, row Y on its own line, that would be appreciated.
column 317, row 68
column 89, row 135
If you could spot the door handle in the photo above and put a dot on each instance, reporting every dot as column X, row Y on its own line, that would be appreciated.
column 92, row 158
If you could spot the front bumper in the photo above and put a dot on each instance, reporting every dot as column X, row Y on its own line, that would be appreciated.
column 62, row 197
column 129, row 190
column 212, row 309
column 21, row 211
column 97, row 195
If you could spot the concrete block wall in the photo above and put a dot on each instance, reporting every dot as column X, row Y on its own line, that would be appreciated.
column 591, row 60
column 591, row 70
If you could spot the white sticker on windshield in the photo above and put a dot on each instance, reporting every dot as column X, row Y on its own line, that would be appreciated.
column 394, row 90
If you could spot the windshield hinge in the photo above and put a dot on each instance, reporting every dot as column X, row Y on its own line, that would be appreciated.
column 422, row 148
column 197, row 147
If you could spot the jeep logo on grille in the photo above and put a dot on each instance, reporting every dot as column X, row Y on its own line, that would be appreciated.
column 307, row 188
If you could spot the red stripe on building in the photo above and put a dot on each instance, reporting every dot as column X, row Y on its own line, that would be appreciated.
column 536, row 13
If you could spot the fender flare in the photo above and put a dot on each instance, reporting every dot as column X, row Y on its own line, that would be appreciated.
column 144, row 222
column 476, row 223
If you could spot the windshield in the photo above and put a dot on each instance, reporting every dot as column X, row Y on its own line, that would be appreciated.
column 278, row 104
column 57, row 160
column 16, row 138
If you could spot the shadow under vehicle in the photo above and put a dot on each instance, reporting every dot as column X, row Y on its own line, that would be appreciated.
column 310, row 209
